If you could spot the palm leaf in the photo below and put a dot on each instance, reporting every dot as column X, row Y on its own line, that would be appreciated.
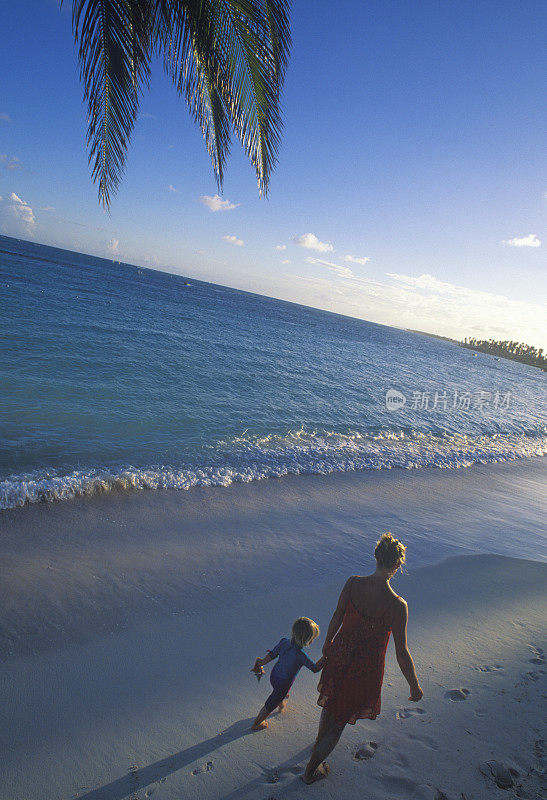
column 228, row 58
column 114, row 52
column 184, row 34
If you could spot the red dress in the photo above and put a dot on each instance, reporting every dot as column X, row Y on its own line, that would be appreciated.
column 351, row 680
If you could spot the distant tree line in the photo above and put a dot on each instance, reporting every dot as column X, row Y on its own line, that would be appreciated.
column 507, row 349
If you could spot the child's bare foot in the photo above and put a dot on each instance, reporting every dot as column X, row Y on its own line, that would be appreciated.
column 282, row 706
column 322, row 771
column 260, row 726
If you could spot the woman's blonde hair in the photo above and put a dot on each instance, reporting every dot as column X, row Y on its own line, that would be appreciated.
column 304, row 631
column 390, row 552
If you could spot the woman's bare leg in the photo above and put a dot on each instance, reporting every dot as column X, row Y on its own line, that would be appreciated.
column 327, row 739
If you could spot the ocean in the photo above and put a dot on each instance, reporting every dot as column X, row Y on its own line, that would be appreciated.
column 119, row 377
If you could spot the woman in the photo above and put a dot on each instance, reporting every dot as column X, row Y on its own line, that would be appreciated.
column 355, row 648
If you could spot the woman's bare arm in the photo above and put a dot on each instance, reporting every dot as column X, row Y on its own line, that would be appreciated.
column 404, row 659
column 338, row 615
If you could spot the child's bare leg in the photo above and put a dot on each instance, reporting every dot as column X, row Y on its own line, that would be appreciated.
column 282, row 705
column 260, row 721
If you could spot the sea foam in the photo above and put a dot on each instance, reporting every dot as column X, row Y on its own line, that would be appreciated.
column 248, row 458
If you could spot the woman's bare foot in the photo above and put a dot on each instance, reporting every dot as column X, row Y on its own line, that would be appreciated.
column 282, row 706
column 321, row 772
column 260, row 726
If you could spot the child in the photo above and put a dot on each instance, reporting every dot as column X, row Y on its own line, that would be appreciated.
column 291, row 659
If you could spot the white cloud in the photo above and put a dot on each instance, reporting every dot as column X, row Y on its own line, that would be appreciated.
column 233, row 240
column 281, row 247
column 437, row 288
column 172, row 188
column 311, row 242
column 425, row 282
column 13, row 163
column 344, row 272
column 46, row 208
column 524, row 241
column 423, row 303
column 5, row 118
column 357, row 260
column 150, row 260
column 216, row 203
column 112, row 247
column 18, row 215
column 286, row 261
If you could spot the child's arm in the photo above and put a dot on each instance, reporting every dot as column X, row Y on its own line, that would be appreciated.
column 259, row 663
column 312, row 665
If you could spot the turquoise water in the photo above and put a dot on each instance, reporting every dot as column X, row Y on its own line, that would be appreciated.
column 115, row 376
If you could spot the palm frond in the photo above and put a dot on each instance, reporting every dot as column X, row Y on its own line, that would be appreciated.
column 277, row 14
column 228, row 58
column 185, row 37
column 114, row 39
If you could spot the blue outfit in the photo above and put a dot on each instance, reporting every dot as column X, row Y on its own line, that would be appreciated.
column 290, row 660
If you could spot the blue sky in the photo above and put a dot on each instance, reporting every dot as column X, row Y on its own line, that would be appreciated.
column 413, row 144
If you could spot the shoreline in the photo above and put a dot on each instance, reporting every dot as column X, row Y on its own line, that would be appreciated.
column 329, row 454
column 88, row 567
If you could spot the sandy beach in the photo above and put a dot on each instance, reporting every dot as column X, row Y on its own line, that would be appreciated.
column 130, row 622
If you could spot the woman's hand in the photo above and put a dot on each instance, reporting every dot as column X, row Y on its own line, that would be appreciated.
column 416, row 694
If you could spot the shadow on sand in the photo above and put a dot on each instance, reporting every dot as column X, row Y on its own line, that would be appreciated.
column 140, row 778
column 270, row 778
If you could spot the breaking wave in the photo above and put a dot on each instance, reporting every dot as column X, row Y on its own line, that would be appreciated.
column 248, row 458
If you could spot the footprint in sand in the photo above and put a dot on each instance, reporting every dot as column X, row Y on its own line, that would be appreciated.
column 405, row 713
column 537, row 655
column 426, row 792
column 134, row 779
column 480, row 712
column 502, row 775
column 489, row 668
column 272, row 776
column 365, row 751
column 207, row 767
column 426, row 741
column 533, row 675
column 457, row 694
